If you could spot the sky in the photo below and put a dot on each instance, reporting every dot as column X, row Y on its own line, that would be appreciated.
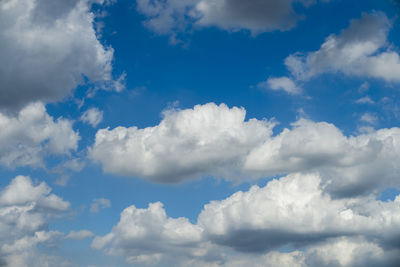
column 199, row 133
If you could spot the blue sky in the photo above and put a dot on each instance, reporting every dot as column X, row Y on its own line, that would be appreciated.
column 199, row 132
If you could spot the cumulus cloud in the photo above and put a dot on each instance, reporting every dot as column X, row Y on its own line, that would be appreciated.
column 295, row 210
column 257, row 16
column 360, row 50
column 207, row 138
column 99, row 203
column 282, row 83
column 92, row 116
column 31, row 135
column 25, row 211
column 48, row 47
column 217, row 140
column 147, row 236
column 249, row 228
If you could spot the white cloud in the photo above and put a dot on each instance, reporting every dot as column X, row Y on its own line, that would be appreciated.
column 92, row 116
column 31, row 135
column 282, row 83
column 249, row 228
column 365, row 100
column 149, row 236
column 360, row 50
column 25, row 211
column 257, row 16
column 187, row 143
column 295, row 210
column 99, row 203
column 79, row 235
column 216, row 140
column 47, row 48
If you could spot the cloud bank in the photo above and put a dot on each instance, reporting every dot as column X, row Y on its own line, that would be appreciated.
column 292, row 211
column 219, row 141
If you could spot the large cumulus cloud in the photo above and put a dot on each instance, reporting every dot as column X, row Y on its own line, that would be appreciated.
column 217, row 140
column 207, row 138
column 47, row 50
column 292, row 212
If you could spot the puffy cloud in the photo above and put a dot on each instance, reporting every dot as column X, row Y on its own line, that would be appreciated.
column 350, row 165
column 25, row 211
column 174, row 16
column 32, row 134
column 147, row 236
column 202, row 140
column 92, row 116
column 360, row 50
column 216, row 140
column 48, row 47
column 295, row 210
column 249, row 228
column 282, row 83
column 99, row 203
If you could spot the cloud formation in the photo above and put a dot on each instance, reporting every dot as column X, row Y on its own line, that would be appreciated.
column 146, row 236
column 257, row 16
column 292, row 211
column 25, row 211
column 187, row 143
column 360, row 50
column 48, row 49
column 27, row 138
column 217, row 140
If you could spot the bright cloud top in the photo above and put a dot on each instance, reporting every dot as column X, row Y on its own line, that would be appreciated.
column 216, row 140
column 207, row 138
column 293, row 210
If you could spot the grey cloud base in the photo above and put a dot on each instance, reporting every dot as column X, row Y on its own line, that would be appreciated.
column 292, row 211
column 47, row 48
column 173, row 17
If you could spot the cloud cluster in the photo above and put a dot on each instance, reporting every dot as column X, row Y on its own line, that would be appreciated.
column 205, row 139
column 292, row 211
column 257, row 16
column 31, row 135
column 48, row 48
column 149, row 236
column 217, row 140
column 25, row 211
